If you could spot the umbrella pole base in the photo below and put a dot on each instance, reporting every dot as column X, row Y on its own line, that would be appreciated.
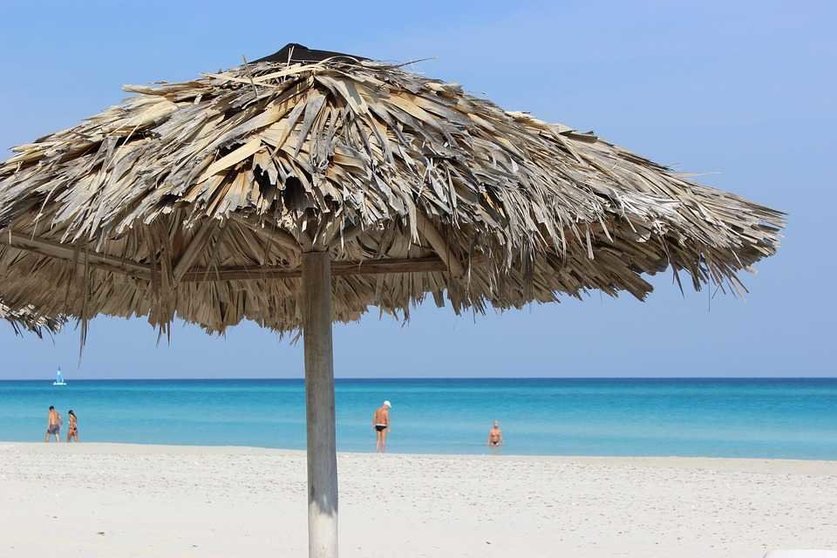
column 319, row 397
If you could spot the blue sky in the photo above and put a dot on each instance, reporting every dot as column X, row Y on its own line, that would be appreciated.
column 741, row 93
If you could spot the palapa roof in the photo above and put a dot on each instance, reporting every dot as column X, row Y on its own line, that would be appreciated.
column 27, row 319
column 197, row 199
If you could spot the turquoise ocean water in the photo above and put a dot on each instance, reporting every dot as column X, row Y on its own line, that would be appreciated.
column 788, row 418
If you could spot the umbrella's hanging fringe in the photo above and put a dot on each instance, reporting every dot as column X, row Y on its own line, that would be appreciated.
column 29, row 319
column 84, row 317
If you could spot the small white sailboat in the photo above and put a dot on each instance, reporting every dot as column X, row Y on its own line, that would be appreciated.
column 59, row 379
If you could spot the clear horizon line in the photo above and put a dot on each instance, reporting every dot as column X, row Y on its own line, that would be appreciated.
column 246, row 378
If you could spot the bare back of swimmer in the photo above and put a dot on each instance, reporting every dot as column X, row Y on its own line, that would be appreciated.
column 380, row 423
column 53, row 425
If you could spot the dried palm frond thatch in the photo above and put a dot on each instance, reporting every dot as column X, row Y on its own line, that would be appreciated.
column 26, row 319
column 197, row 199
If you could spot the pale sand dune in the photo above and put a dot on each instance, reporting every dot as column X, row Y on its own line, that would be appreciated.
column 114, row 500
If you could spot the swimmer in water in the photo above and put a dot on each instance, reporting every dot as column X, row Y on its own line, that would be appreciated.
column 53, row 425
column 495, row 436
column 72, row 431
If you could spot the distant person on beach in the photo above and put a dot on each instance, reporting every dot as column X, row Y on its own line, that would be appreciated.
column 72, row 428
column 380, row 422
column 495, row 436
column 53, row 425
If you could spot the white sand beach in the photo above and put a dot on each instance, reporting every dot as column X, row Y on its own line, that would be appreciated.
column 167, row 501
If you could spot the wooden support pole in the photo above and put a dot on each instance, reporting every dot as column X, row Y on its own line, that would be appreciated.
column 112, row 264
column 184, row 274
column 319, row 398
column 338, row 269
column 52, row 249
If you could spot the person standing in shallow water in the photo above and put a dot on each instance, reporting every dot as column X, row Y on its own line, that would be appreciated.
column 53, row 425
column 72, row 428
column 495, row 436
column 380, row 423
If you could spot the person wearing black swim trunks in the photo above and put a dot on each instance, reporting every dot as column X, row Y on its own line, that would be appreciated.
column 380, row 423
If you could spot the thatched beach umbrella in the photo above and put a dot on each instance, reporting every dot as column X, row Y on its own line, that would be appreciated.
column 27, row 319
column 308, row 186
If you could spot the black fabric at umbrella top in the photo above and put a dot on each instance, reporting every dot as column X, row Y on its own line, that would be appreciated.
column 294, row 52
